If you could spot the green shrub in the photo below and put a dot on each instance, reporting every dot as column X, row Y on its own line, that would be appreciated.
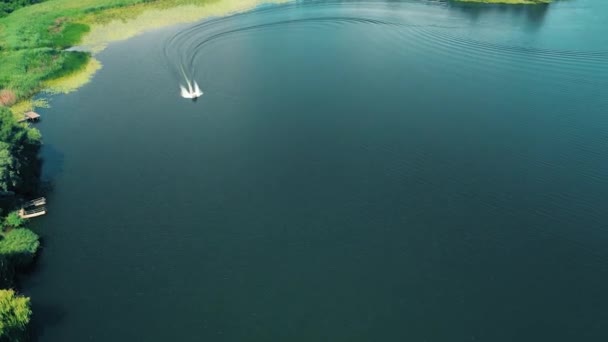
column 18, row 151
column 15, row 314
column 13, row 220
column 19, row 246
column 9, row 168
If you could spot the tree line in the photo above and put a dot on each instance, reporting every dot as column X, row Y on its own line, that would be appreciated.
column 19, row 167
column 8, row 6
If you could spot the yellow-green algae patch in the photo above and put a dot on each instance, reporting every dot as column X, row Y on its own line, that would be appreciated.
column 69, row 83
column 28, row 105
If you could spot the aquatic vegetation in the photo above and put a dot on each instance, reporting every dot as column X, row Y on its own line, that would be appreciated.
column 28, row 105
column 70, row 82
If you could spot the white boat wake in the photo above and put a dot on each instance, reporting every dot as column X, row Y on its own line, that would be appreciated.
column 192, row 91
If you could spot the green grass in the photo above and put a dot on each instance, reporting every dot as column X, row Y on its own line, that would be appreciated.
column 70, row 35
column 24, row 70
column 33, row 39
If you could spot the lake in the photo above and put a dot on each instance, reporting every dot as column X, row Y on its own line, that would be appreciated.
column 355, row 171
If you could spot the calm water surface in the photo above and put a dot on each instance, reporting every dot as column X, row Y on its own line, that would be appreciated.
column 356, row 171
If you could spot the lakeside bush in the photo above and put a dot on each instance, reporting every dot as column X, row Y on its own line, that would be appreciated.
column 13, row 220
column 15, row 314
column 19, row 246
column 9, row 6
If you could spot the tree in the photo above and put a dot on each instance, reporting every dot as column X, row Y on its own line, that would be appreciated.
column 15, row 313
column 19, row 246
column 9, row 6
column 13, row 220
column 9, row 168
column 19, row 147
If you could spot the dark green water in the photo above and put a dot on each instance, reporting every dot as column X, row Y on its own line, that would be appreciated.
column 378, row 171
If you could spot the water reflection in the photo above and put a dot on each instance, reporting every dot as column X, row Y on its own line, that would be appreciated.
column 531, row 16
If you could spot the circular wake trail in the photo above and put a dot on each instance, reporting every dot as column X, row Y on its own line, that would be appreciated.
column 417, row 32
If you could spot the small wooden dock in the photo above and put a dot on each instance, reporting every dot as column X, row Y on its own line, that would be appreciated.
column 33, row 208
column 27, row 214
column 30, row 116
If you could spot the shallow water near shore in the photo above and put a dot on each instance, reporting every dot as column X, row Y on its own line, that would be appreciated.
column 356, row 171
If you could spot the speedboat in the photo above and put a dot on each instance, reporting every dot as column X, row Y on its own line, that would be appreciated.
column 191, row 92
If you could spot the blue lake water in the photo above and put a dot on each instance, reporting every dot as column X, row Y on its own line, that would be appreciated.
column 356, row 171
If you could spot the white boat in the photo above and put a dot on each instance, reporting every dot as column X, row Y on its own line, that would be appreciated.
column 191, row 92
